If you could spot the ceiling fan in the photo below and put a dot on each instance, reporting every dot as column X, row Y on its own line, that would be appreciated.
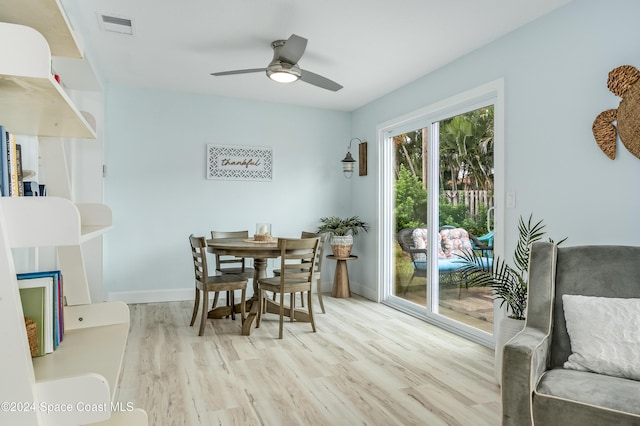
column 283, row 68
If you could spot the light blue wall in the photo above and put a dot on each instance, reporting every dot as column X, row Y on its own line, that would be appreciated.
column 158, row 192
column 555, row 72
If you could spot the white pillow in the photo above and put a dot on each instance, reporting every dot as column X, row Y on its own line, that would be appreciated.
column 604, row 334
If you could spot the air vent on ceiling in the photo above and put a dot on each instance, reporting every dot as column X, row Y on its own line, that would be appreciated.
column 116, row 24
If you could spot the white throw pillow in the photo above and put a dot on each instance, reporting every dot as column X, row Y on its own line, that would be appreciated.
column 604, row 334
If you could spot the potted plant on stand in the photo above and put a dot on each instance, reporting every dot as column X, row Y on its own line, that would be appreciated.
column 509, row 283
column 342, row 231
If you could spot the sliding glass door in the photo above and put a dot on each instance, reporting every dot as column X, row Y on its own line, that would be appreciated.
column 438, row 172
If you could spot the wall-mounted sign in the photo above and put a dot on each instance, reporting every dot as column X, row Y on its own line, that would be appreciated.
column 235, row 162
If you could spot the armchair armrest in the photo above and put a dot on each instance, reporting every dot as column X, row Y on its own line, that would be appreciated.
column 524, row 361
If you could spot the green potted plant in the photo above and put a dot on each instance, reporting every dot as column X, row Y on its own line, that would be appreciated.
column 510, row 284
column 342, row 231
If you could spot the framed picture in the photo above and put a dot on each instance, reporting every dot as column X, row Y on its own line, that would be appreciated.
column 237, row 162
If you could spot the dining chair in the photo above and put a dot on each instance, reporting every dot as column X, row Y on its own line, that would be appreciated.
column 206, row 283
column 297, row 263
column 231, row 264
column 318, row 267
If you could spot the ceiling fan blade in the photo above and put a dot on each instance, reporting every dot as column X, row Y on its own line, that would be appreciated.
column 320, row 81
column 247, row 71
column 293, row 49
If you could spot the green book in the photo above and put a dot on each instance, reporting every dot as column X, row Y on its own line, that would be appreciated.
column 33, row 306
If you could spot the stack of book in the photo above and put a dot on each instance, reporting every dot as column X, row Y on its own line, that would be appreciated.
column 10, row 165
column 42, row 302
column 14, row 180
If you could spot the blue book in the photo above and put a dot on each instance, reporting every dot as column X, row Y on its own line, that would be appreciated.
column 4, row 163
column 57, row 302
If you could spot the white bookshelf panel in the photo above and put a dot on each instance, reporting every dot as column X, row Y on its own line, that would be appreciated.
column 83, row 351
column 73, row 400
column 47, row 17
column 32, row 101
column 53, row 221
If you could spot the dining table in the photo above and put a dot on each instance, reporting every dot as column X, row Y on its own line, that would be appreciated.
column 259, row 251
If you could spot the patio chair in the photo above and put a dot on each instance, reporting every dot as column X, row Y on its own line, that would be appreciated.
column 453, row 241
column 483, row 243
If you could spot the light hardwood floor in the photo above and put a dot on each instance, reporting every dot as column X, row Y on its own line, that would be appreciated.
column 367, row 364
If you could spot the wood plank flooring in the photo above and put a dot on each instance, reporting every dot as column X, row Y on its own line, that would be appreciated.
column 366, row 365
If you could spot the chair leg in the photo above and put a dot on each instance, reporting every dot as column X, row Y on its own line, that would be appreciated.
column 195, row 308
column 292, row 306
column 243, row 304
column 406, row 288
column 231, row 298
column 260, row 303
column 313, row 323
column 319, row 292
column 281, row 315
column 205, row 304
column 215, row 300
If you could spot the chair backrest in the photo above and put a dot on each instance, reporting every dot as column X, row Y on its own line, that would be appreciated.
column 320, row 251
column 592, row 270
column 297, row 258
column 405, row 239
column 199, row 255
column 454, row 242
column 407, row 243
column 229, row 260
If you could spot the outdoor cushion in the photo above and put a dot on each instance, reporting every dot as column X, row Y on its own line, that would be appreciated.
column 420, row 241
column 453, row 243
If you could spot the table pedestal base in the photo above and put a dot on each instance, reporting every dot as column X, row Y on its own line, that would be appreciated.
column 252, row 306
column 341, row 279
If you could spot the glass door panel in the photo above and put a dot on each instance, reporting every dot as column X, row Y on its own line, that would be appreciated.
column 454, row 191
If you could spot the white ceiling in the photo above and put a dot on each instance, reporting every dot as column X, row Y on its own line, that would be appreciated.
column 371, row 47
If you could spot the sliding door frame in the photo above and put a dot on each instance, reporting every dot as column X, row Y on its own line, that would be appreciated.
column 490, row 93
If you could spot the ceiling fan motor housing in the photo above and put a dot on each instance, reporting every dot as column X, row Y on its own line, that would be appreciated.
column 279, row 70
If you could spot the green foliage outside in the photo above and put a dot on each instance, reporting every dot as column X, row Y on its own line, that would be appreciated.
column 466, row 163
column 411, row 201
column 411, row 207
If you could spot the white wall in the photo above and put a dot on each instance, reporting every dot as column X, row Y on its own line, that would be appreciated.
column 555, row 72
column 157, row 188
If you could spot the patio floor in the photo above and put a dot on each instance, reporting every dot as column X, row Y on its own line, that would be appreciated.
column 472, row 306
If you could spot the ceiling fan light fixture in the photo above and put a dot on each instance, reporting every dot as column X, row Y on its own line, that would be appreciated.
column 283, row 77
column 283, row 72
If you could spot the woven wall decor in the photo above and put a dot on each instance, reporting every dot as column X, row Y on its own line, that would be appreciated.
column 622, row 82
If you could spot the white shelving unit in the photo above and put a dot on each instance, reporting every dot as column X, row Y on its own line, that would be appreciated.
column 77, row 383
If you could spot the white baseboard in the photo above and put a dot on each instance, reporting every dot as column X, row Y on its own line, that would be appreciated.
column 180, row 294
column 152, row 296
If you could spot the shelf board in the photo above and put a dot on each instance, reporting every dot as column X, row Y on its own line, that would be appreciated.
column 39, row 106
column 96, row 350
column 48, row 18
column 53, row 221
column 89, row 232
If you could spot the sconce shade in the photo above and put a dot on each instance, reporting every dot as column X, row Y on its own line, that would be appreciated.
column 347, row 164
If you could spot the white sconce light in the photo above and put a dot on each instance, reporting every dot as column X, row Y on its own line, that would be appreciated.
column 348, row 162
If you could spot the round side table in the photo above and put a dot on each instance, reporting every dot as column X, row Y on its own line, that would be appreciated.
column 341, row 279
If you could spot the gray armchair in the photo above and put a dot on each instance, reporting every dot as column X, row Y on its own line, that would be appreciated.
column 535, row 386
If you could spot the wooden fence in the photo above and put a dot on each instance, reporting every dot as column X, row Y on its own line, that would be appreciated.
column 472, row 199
